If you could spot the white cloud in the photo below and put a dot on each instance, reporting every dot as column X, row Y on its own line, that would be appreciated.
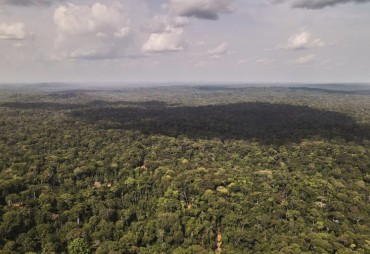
column 160, row 23
column 91, row 32
column 166, row 34
column 219, row 51
column 200, row 43
column 202, row 9
column 80, row 19
column 241, row 61
column 17, row 45
column 199, row 64
column 170, row 40
column 304, row 60
column 303, row 40
column 181, row 21
column 14, row 31
column 265, row 61
column 123, row 32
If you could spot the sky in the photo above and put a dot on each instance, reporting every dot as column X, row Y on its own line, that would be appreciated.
column 185, row 41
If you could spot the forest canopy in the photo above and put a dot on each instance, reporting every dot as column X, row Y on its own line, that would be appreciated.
column 194, row 169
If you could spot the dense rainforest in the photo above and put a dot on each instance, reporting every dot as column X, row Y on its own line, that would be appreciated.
column 184, row 169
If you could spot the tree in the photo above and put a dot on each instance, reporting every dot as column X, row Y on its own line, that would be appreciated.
column 79, row 246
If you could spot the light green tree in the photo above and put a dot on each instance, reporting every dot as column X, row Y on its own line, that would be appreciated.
column 79, row 246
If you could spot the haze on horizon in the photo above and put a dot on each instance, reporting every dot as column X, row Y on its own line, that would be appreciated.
column 185, row 40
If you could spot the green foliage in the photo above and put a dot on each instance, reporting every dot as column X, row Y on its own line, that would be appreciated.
column 78, row 246
column 109, row 172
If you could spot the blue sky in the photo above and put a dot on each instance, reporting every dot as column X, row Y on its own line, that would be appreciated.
column 185, row 40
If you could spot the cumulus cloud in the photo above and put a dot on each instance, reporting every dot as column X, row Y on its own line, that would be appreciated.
column 166, row 34
column 160, row 23
column 14, row 31
column 304, row 60
column 202, row 9
column 169, row 40
column 181, row 21
column 18, row 45
column 219, row 51
column 91, row 32
column 264, row 61
column 28, row 2
column 318, row 4
column 241, row 61
column 303, row 40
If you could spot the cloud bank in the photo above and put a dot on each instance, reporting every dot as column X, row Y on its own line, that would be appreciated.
column 201, row 9
column 14, row 31
column 219, row 51
column 28, row 2
column 91, row 32
column 303, row 40
column 319, row 4
column 170, row 40
column 304, row 60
